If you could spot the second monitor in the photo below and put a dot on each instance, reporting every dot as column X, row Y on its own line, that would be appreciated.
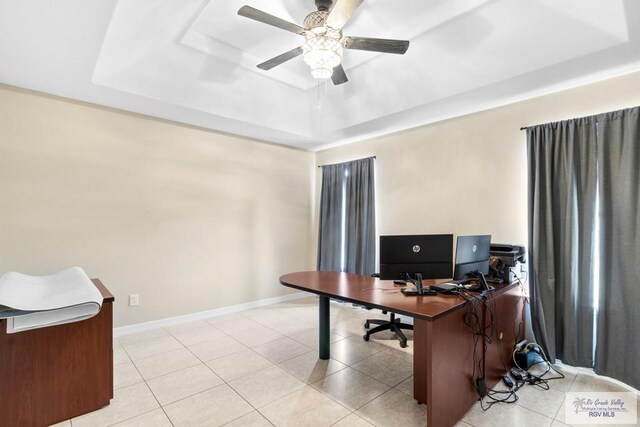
column 428, row 254
column 472, row 255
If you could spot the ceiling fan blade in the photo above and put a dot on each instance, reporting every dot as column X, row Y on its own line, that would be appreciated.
column 341, row 13
column 377, row 45
column 274, row 62
column 338, row 77
column 260, row 16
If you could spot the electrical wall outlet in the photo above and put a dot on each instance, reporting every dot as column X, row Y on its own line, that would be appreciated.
column 134, row 299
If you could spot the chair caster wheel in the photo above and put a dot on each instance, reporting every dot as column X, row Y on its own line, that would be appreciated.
column 365, row 337
column 403, row 344
column 366, row 325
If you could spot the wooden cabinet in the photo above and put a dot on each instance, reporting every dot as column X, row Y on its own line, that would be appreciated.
column 52, row 374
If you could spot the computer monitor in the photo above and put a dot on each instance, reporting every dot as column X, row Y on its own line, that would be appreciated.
column 472, row 254
column 430, row 255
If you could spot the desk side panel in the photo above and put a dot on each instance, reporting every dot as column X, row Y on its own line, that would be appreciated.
column 444, row 354
column 508, row 314
column 56, row 373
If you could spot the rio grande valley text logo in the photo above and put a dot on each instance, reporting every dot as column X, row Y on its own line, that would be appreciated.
column 601, row 408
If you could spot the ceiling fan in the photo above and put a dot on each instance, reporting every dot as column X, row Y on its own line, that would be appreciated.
column 324, row 41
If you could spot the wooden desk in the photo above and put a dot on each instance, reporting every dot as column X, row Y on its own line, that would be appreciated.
column 52, row 374
column 443, row 344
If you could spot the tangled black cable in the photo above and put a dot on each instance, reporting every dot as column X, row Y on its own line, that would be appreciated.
column 526, row 378
column 519, row 329
column 521, row 377
column 472, row 320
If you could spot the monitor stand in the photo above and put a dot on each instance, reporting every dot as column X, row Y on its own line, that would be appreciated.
column 417, row 293
column 481, row 287
column 420, row 290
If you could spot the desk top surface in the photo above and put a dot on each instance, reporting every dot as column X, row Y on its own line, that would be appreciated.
column 381, row 294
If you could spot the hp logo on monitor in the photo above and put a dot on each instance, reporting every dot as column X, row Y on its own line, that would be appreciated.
column 416, row 248
column 475, row 248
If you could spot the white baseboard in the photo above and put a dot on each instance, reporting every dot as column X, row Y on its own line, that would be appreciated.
column 170, row 321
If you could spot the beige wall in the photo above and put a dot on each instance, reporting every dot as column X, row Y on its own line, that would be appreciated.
column 194, row 220
column 189, row 219
column 468, row 175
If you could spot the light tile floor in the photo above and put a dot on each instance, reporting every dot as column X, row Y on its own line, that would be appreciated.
column 260, row 367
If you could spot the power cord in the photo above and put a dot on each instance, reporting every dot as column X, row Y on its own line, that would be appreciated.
column 472, row 320
column 522, row 377
column 519, row 328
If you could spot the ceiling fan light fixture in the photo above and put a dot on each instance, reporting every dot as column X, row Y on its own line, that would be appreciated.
column 315, row 19
column 321, row 73
column 322, row 54
column 324, row 43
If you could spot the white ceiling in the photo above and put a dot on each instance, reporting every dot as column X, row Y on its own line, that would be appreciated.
column 193, row 61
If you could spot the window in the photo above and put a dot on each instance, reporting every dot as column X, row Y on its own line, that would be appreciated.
column 347, row 232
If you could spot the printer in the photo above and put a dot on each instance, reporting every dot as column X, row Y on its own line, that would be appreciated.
column 504, row 264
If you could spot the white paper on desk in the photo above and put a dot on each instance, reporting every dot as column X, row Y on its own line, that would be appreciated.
column 40, row 301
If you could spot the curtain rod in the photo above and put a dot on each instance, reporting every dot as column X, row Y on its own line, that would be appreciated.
column 593, row 116
column 370, row 157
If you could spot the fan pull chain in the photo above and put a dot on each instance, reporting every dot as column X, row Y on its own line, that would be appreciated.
column 324, row 82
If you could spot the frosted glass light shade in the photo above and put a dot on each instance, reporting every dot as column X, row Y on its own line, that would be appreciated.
column 322, row 54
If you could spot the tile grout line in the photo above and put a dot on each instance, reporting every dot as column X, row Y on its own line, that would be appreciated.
column 273, row 364
column 153, row 394
column 375, row 379
column 146, row 384
column 557, row 412
column 281, row 335
column 183, row 345
column 182, row 369
column 309, row 385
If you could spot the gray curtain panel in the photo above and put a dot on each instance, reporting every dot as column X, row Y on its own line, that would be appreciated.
column 330, row 228
column 351, row 182
column 562, row 188
column 618, row 334
column 360, row 230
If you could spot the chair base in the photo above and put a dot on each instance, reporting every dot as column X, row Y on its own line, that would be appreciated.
column 394, row 325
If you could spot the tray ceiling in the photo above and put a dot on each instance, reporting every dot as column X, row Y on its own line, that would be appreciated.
column 194, row 61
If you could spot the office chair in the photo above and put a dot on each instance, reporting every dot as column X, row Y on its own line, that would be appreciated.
column 394, row 325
